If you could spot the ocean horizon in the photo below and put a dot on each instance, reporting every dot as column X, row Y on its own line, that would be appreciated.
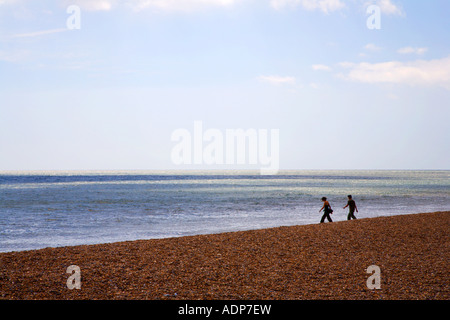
column 40, row 209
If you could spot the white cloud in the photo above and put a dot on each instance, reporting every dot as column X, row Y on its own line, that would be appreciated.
column 414, row 73
column 178, row 5
column 408, row 50
column 321, row 67
column 137, row 5
column 2, row 2
column 372, row 47
column 38, row 33
column 346, row 64
column 387, row 7
column 14, row 56
column 277, row 80
column 325, row 6
column 93, row 5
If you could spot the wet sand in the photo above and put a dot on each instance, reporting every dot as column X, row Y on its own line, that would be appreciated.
column 321, row 261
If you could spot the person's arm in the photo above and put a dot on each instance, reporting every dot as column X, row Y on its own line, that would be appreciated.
column 356, row 208
column 346, row 206
column 322, row 207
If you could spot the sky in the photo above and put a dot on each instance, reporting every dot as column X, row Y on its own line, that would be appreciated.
column 105, row 85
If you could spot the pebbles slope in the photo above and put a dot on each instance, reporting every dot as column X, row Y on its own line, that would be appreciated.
column 323, row 261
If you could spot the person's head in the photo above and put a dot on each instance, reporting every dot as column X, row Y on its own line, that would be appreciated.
column 349, row 196
column 324, row 199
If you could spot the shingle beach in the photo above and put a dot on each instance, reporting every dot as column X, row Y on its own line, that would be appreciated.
column 320, row 261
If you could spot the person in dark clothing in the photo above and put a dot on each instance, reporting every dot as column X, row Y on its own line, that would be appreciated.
column 326, row 210
column 351, row 204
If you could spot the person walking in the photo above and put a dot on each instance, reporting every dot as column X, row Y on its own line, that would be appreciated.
column 326, row 210
column 351, row 204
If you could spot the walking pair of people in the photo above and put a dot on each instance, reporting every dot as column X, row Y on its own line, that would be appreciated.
column 351, row 204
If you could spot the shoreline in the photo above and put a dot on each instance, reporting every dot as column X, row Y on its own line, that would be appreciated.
column 333, row 216
column 315, row 261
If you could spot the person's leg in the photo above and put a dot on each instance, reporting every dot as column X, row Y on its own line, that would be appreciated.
column 326, row 215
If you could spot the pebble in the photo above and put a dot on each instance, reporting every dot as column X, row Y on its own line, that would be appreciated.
column 321, row 261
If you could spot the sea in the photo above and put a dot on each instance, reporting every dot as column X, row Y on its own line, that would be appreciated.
column 58, row 208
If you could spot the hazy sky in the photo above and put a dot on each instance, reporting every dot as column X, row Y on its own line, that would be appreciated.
column 110, row 94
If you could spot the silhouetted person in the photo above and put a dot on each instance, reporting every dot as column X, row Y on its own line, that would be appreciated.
column 326, row 210
column 351, row 204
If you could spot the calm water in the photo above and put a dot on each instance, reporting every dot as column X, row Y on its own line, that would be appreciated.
column 49, row 209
